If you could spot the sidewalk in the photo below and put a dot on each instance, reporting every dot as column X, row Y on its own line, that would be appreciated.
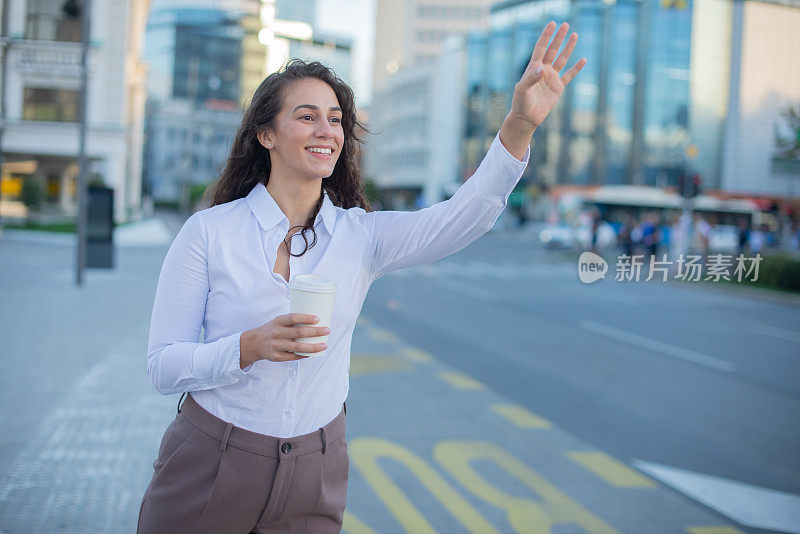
column 159, row 230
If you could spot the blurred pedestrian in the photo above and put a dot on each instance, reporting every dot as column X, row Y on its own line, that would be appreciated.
column 596, row 221
column 703, row 236
column 794, row 242
column 259, row 444
column 626, row 234
column 758, row 238
column 665, row 232
column 522, row 216
column 650, row 236
column 744, row 236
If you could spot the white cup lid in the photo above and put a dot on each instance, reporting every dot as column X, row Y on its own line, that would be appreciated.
column 312, row 282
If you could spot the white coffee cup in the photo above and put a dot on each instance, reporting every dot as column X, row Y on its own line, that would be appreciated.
column 313, row 294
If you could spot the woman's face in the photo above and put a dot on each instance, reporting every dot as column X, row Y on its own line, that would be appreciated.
column 310, row 119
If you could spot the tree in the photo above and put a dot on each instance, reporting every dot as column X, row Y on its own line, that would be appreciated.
column 31, row 194
column 787, row 134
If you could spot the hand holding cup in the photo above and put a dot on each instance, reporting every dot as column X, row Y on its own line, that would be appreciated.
column 276, row 340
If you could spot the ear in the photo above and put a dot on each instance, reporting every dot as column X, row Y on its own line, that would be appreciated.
column 265, row 138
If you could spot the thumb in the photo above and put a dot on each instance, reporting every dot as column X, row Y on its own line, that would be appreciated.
column 536, row 75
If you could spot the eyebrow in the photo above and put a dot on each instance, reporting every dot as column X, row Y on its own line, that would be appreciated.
column 315, row 108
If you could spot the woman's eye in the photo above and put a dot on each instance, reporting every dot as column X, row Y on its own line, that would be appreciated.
column 337, row 119
column 304, row 116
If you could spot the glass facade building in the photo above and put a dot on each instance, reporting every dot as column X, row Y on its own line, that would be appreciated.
column 194, row 91
column 193, row 54
column 625, row 117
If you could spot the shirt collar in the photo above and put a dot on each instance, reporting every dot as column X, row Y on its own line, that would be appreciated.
column 269, row 214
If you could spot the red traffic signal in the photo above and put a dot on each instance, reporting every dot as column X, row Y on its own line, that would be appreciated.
column 696, row 185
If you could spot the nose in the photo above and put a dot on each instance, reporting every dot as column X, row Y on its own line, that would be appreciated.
column 325, row 130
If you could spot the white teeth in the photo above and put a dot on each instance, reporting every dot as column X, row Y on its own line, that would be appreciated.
column 326, row 151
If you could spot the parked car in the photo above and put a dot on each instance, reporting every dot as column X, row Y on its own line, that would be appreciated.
column 606, row 237
column 724, row 238
column 558, row 236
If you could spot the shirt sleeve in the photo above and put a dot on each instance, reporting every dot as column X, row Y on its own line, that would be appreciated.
column 176, row 362
column 403, row 239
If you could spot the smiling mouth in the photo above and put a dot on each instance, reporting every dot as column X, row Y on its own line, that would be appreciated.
column 321, row 155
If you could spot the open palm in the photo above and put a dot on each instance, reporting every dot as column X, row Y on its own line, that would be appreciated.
column 541, row 85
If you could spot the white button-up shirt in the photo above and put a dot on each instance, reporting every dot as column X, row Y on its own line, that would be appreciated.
column 218, row 274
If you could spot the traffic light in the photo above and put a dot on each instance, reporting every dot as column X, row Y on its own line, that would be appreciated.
column 689, row 187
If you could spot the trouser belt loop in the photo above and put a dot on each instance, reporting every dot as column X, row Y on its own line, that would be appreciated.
column 224, row 443
column 345, row 408
column 322, row 434
column 179, row 401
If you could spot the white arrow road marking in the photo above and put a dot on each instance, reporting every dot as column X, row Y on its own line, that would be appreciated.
column 657, row 346
column 748, row 505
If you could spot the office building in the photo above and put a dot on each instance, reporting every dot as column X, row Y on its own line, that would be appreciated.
column 41, row 64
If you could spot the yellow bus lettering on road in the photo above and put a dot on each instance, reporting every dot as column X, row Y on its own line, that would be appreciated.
column 366, row 452
column 524, row 515
column 353, row 525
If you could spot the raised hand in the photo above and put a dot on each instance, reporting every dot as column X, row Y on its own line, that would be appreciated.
column 539, row 89
column 541, row 85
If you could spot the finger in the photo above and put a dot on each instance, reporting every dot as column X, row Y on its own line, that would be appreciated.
column 297, row 318
column 295, row 347
column 563, row 57
column 530, row 78
column 306, row 331
column 570, row 74
column 541, row 44
column 290, row 356
column 552, row 50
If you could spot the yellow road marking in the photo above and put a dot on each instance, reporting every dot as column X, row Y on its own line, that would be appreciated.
column 714, row 530
column 523, row 514
column 381, row 334
column 416, row 354
column 353, row 525
column 365, row 364
column 520, row 416
column 461, row 381
column 612, row 471
column 365, row 453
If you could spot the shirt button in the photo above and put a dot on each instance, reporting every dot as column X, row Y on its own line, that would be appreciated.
column 288, row 413
column 286, row 447
column 292, row 372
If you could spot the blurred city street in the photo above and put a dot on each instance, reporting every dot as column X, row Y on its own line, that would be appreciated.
column 619, row 353
column 491, row 391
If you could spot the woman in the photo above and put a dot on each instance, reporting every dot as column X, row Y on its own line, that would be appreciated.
column 259, row 443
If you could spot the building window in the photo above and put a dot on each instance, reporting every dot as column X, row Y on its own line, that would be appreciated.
column 57, row 105
column 54, row 20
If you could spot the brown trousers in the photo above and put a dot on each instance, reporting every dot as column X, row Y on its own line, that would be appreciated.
column 211, row 476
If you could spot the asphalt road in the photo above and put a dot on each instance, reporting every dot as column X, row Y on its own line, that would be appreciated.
column 690, row 376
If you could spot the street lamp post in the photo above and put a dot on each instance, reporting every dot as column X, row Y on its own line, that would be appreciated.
column 81, row 221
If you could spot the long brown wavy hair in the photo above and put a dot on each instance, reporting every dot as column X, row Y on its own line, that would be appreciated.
column 249, row 162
